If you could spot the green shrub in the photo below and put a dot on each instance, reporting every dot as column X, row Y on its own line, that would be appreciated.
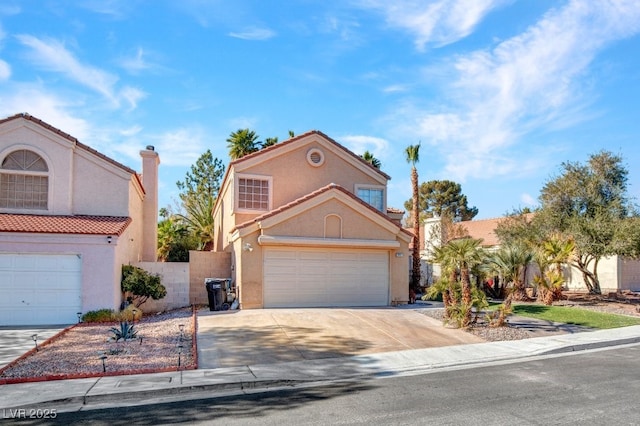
column 100, row 315
column 141, row 285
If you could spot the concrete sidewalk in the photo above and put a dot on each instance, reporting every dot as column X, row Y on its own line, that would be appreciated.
column 83, row 394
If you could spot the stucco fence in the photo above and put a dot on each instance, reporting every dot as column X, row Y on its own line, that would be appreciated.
column 184, row 281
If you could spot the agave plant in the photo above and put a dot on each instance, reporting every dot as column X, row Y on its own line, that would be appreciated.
column 125, row 332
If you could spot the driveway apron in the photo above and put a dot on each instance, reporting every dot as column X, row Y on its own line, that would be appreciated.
column 266, row 336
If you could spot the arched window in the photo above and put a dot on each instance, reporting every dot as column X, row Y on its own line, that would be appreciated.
column 24, row 181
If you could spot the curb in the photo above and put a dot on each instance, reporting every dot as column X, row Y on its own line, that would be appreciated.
column 592, row 345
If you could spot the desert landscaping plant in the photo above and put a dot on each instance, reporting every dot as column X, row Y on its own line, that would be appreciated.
column 100, row 315
column 125, row 331
column 141, row 285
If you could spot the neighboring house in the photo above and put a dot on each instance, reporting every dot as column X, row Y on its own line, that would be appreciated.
column 307, row 223
column 615, row 272
column 70, row 217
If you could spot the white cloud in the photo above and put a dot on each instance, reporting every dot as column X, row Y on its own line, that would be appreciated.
column 139, row 62
column 254, row 33
column 53, row 56
column 136, row 63
column 132, row 95
column 535, row 79
column 178, row 147
column 395, row 88
column 131, row 131
column 438, row 22
column 5, row 70
column 45, row 106
column 360, row 143
column 528, row 200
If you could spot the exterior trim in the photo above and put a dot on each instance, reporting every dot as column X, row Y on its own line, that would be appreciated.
column 274, row 240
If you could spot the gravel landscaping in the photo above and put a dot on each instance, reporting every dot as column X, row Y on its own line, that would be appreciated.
column 77, row 351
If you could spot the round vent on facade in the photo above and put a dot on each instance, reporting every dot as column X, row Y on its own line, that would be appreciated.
column 315, row 157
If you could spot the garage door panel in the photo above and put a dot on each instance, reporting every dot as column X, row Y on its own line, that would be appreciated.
column 332, row 277
column 40, row 289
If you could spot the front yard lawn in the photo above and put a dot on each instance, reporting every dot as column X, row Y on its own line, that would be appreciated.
column 574, row 315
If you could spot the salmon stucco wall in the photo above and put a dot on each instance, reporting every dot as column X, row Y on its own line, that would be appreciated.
column 206, row 264
column 399, row 273
column 248, row 271
column 312, row 223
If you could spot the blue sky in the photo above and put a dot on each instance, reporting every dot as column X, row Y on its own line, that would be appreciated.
column 499, row 93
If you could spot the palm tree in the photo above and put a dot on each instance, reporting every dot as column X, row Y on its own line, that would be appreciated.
column 511, row 263
column 369, row 158
column 465, row 253
column 269, row 141
column 412, row 154
column 241, row 143
column 199, row 220
column 554, row 253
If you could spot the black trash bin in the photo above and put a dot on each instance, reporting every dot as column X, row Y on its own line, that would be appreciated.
column 216, row 292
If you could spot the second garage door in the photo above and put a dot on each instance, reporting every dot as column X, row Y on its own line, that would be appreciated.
column 325, row 277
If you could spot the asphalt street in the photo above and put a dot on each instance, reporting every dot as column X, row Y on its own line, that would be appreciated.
column 588, row 387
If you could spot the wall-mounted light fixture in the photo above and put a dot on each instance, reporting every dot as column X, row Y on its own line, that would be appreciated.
column 109, row 239
column 247, row 247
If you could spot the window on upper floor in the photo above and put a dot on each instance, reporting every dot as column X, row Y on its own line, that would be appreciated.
column 24, row 181
column 373, row 196
column 253, row 193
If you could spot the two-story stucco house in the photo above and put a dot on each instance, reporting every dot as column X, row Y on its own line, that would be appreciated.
column 70, row 217
column 307, row 224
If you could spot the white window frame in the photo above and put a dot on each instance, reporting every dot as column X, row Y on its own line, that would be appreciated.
column 236, row 193
column 41, row 174
column 381, row 188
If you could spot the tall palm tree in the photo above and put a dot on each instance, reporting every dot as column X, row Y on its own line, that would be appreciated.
column 412, row 154
column 242, row 142
column 369, row 158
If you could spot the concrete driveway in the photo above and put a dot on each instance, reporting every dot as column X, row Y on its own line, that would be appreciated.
column 265, row 336
column 15, row 341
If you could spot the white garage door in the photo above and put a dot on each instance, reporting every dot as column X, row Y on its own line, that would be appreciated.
column 325, row 277
column 40, row 289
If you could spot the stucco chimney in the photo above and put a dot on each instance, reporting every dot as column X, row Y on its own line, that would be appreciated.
column 150, row 163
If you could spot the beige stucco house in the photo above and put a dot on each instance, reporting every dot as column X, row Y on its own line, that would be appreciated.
column 307, row 223
column 70, row 217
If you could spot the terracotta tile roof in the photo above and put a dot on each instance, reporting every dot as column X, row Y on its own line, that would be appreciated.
column 46, row 224
column 67, row 136
column 310, row 196
column 485, row 229
column 394, row 210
